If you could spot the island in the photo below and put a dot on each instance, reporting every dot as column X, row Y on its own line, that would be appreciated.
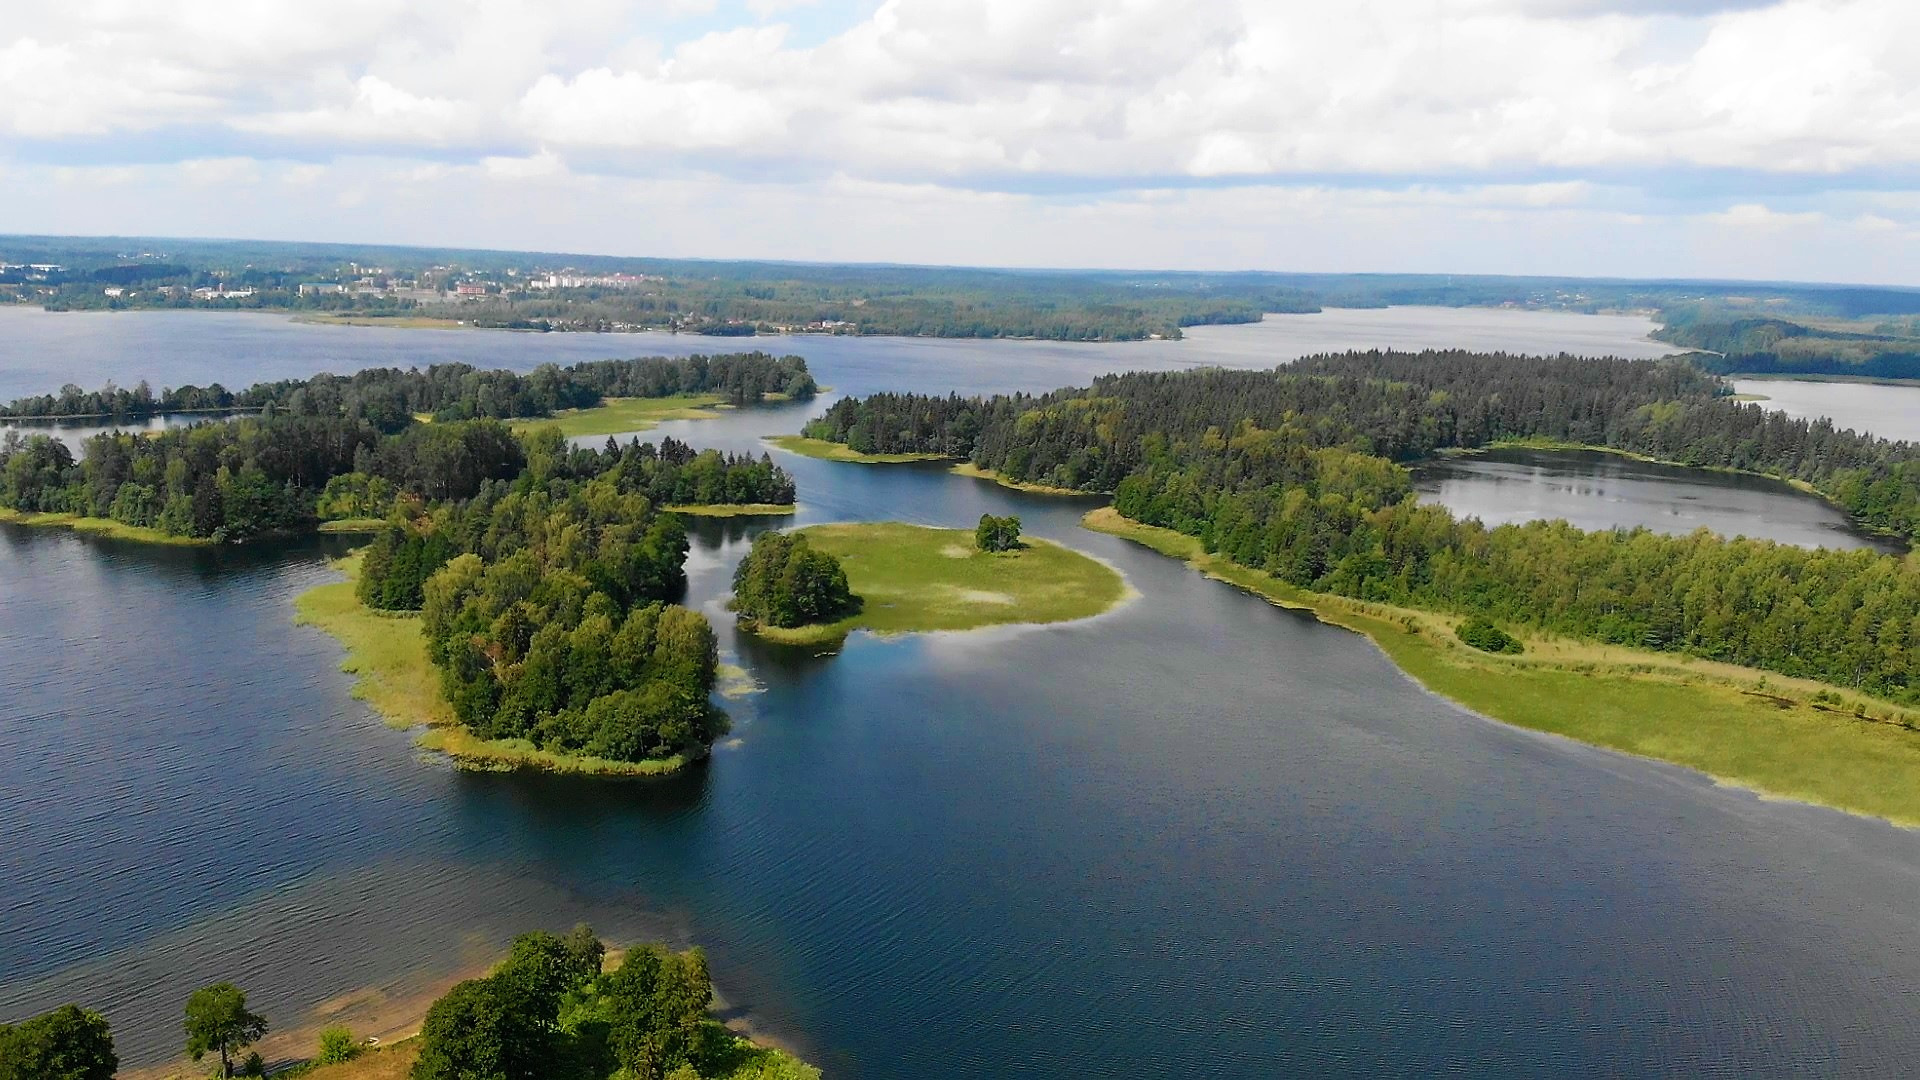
column 295, row 455
column 917, row 579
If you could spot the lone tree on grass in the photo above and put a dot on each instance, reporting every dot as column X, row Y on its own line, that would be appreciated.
column 997, row 533
column 217, row 1019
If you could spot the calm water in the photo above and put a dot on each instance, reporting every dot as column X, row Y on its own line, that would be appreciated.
column 1891, row 412
column 1197, row 836
column 1603, row 491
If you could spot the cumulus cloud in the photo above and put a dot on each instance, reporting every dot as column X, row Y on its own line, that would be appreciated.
column 1044, row 116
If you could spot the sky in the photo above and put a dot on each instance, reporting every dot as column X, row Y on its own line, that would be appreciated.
column 1631, row 138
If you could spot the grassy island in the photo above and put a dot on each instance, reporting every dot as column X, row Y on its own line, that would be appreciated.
column 833, row 451
column 619, row 416
column 387, row 653
column 1790, row 738
column 101, row 527
column 913, row 579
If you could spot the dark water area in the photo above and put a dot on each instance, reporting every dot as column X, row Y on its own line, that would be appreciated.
column 1595, row 490
column 1197, row 836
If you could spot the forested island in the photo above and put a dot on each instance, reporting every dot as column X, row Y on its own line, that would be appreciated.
column 344, row 448
column 1738, row 341
column 540, row 629
column 1291, row 482
column 558, row 1007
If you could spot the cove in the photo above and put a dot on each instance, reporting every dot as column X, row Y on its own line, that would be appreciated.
column 1599, row 490
column 1195, row 835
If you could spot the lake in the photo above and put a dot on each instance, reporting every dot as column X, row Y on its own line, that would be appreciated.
column 1891, row 412
column 1196, row 836
column 1595, row 490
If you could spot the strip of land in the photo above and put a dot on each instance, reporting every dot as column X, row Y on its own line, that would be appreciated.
column 914, row 579
column 833, row 451
column 101, row 527
column 622, row 416
column 1743, row 727
column 968, row 468
column 732, row 509
column 387, row 654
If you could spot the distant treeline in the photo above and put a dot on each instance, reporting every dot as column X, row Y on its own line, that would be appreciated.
column 1772, row 346
column 390, row 398
column 236, row 479
column 1294, row 472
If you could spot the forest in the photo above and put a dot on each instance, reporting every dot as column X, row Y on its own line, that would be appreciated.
column 390, row 398
column 1740, row 342
column 282, row 471
column 1297, row 472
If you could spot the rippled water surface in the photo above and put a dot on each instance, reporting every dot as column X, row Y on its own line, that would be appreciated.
column 1197, row 836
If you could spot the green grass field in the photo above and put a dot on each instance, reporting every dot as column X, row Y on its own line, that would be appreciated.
column 101, row 527
column 388, row 654
column 733, row 509
column 623, row 416
column 1742, row 726
column 833, row 451
column 912, row 579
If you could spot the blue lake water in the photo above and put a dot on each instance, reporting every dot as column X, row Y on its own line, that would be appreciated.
column 1199, row 836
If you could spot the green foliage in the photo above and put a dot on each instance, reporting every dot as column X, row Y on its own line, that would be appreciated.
column 997, row 533
column 1291, row 472
column 388, row 398
column 786, row 582
column 337, row 1044
column 397, row 566
column 1478, row 632
column 69, row 1043
column 218, row 1021
column 485, row 1029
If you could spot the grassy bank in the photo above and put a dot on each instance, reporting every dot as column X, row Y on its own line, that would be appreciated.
column 353, row 525
column 388, row 655
column 1744, row 727
column 624, row 416
column 833, row 451
column 913, row 579
column 101, row 527
column 733, row 509
column 968, row 468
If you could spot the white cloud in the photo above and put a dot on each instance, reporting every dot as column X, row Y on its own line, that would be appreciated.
column 1532, row 130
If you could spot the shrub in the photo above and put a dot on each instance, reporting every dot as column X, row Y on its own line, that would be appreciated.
column 1483, row 635
column 336, row 1045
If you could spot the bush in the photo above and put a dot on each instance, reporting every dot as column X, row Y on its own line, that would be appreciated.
column 1483, row 635
column 337, row 1044
column 997, row 533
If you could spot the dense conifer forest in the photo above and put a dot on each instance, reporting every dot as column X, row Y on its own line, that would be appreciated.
column 1297, row 472
column 390, row 398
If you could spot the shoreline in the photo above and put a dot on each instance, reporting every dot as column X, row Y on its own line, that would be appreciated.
column 393, row 1017
column 388, row 658
column 1743, row 727
column 99, row 526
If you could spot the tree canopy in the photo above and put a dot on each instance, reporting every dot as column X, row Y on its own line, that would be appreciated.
column 218, row 1022
column 785, row 581
column 69, row 1043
